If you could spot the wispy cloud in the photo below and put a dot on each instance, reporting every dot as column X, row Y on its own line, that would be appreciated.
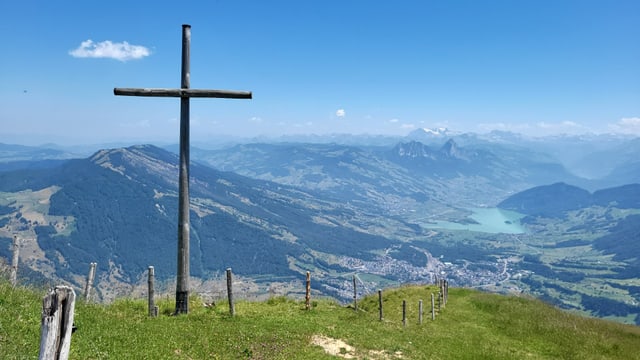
column 393, row 121
column 626, row 126
column 407, row 126
column 340, row 113
column 255, row 119
column 122, row 51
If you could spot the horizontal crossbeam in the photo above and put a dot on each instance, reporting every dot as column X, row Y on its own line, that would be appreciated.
column 183, row 93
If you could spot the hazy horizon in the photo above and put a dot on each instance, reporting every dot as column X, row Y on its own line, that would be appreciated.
column 44, row 141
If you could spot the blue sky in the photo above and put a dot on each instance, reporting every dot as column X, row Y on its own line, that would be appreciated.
column 318, row 67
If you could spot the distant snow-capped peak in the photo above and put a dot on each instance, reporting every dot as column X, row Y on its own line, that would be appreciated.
column 430, row 135
column 441, row 131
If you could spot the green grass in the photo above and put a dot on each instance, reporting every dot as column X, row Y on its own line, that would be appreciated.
column 473, row 325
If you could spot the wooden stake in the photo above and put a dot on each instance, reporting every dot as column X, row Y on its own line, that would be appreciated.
column 57, row 323
column 15, row 259
column 433, row 307
column 420, row 312
column 307, row 298
column 404, row 313
column 232, row 308
column 446, row 292
column 380, row 303
column 153, row 310
column 355, row 294
column 89, row 284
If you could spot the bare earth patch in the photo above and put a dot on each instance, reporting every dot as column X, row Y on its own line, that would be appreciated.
column 337, row 347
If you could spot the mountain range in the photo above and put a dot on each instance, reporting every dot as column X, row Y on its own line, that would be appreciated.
column 557, row 199
column 272, row 211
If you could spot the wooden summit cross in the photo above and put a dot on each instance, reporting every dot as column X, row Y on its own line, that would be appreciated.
column 184, row 93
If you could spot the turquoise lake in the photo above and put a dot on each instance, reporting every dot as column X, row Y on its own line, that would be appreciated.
column 490, row 220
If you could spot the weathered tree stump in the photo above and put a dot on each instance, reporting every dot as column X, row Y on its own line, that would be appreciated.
column 57, row 323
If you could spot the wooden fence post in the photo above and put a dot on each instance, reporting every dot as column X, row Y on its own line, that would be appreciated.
column 89, row 284
column 420, row 312
column 446, row 292
column 232, row 308
column 57, row 323
column 404, row 313
column 355, row 294
column 307, row 297
column 443, row 292
column 153, row 309
column 433, row 307
column 380, row 303
column 13, row 275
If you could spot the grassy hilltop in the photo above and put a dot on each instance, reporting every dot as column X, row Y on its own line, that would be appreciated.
column 474, row 325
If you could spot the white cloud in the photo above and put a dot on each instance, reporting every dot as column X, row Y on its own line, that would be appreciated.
column 106, row 49
column 394, row 121
column 256, row 119
column 626, row 126
column 407, row 126
column 340, row 113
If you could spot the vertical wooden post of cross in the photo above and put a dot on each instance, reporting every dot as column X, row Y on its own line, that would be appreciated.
column 182, row 284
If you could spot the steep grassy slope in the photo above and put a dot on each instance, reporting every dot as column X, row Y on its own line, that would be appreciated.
column 473, row 325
